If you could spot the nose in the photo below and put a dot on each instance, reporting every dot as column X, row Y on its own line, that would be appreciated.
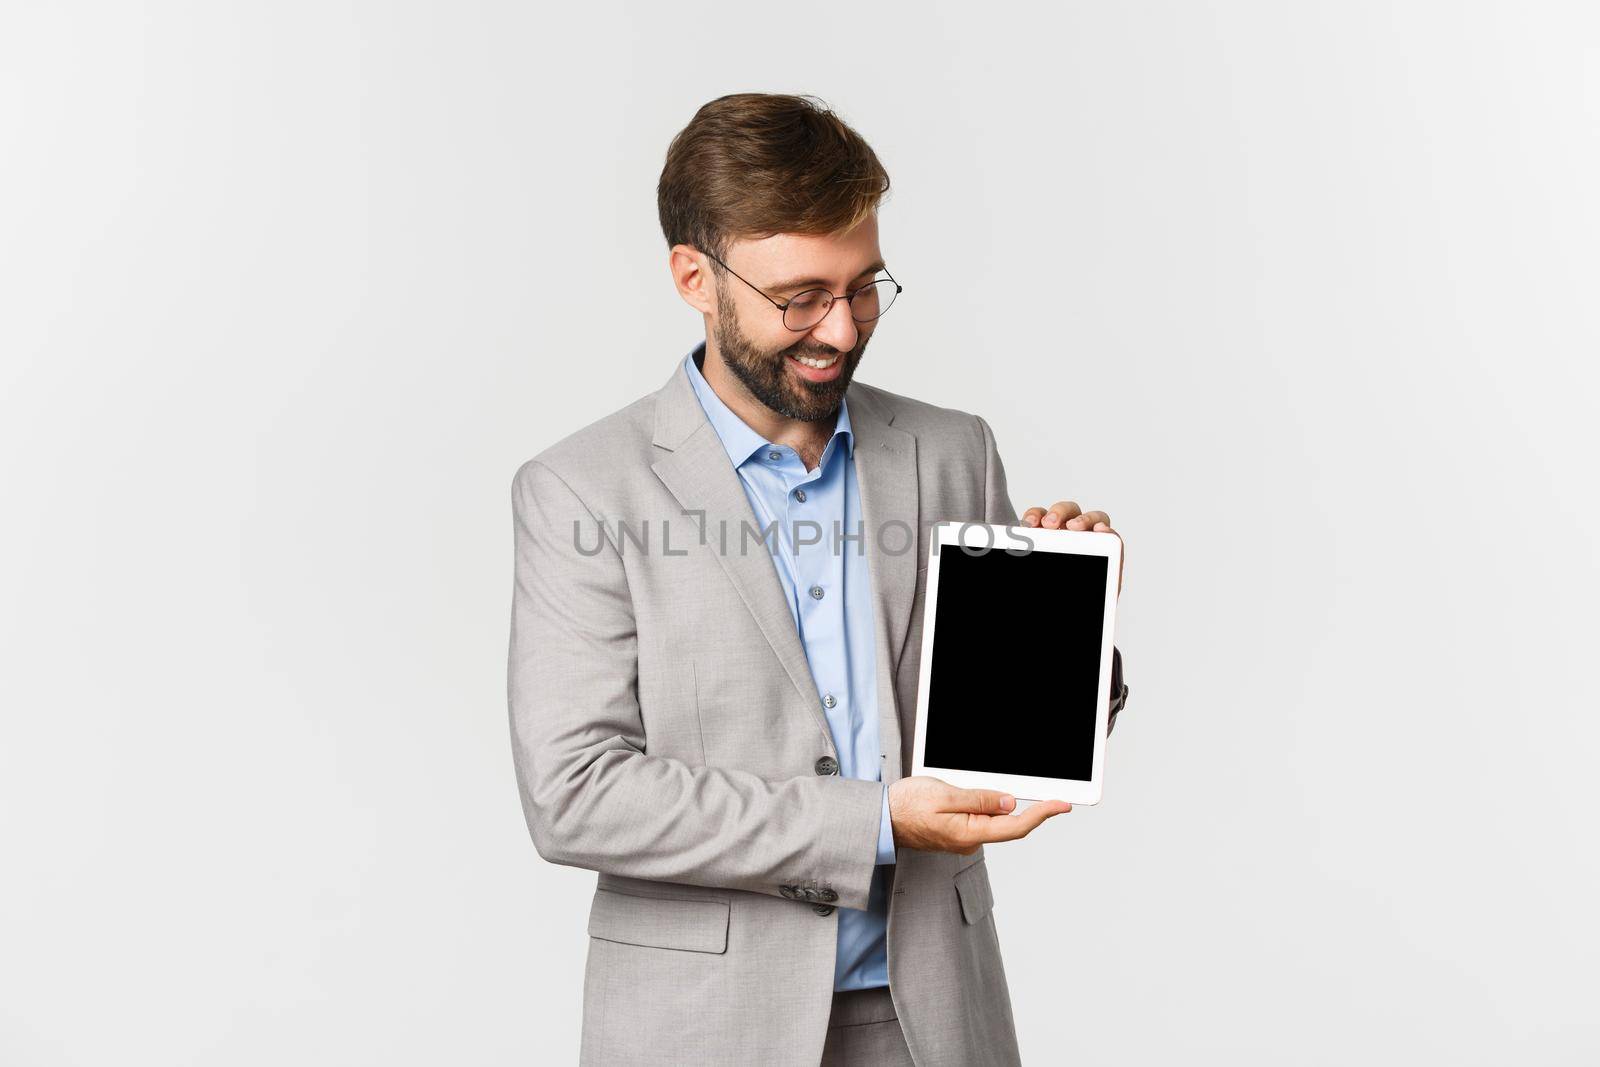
column 837, row 327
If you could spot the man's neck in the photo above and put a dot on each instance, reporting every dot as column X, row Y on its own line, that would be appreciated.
column 806, row 438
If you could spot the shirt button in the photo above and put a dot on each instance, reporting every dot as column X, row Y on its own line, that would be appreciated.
column 816, row 592
column 774, row 455
column 800, row 495
column 828, row 701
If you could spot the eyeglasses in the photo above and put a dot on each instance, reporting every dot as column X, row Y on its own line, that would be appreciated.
column 804, row 310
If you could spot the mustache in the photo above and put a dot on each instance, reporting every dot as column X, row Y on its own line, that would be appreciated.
column 823, row 354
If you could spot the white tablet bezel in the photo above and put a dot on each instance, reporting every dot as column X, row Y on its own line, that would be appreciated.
column 955, row 536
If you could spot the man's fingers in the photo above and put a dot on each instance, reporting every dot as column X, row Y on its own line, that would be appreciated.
column 1067, row 515
column 1060, row 513
column 980, row 801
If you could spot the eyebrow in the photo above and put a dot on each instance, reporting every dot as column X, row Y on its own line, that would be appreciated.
column 802, row 283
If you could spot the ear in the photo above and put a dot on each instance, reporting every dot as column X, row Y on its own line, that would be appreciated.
column 691, row 274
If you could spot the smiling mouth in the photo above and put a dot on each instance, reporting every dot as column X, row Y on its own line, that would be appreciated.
column 817, row 362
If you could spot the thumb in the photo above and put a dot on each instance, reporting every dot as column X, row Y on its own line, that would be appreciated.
column 984, row 801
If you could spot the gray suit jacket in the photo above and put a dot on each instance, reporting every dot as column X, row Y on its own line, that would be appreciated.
column 667, row 735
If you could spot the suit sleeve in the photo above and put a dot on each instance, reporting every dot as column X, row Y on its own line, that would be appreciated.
column 592, row 795
column 997, row 509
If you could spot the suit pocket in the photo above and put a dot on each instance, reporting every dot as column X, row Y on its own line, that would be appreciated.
column 972, row 886
column 691, row 925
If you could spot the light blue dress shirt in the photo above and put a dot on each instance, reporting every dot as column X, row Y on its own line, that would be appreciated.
column 822, row 563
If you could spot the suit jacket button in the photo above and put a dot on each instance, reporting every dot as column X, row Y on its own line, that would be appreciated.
column 827, row 765
column 822, row 909
column 789, row 892
column 827, row 894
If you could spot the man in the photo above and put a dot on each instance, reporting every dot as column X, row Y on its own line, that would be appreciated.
column 715, row 637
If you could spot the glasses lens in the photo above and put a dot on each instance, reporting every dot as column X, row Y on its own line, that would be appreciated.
column 807, row 309
column 873, row 301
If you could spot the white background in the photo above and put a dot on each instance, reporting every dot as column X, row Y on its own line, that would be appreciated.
column 1302, row 294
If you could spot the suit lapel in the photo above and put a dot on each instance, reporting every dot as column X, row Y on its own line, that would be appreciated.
column 698, row 475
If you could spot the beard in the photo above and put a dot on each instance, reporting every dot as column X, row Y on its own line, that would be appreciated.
column 767, row 376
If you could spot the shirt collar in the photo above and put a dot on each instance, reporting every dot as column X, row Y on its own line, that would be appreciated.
column 738, row 438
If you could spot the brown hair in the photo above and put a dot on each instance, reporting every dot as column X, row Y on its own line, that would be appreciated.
column 751, row 165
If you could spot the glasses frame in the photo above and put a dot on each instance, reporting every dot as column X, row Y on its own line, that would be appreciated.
column 847, row 297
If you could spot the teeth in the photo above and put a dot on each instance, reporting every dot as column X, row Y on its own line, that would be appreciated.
column 819, row 364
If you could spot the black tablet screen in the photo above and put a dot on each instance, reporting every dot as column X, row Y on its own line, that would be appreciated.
column 1016, row 662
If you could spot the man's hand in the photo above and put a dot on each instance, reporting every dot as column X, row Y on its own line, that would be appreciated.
column 935, row 816
column 1066, row 515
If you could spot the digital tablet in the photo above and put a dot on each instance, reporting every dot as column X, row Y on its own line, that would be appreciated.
column 1015, row 682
